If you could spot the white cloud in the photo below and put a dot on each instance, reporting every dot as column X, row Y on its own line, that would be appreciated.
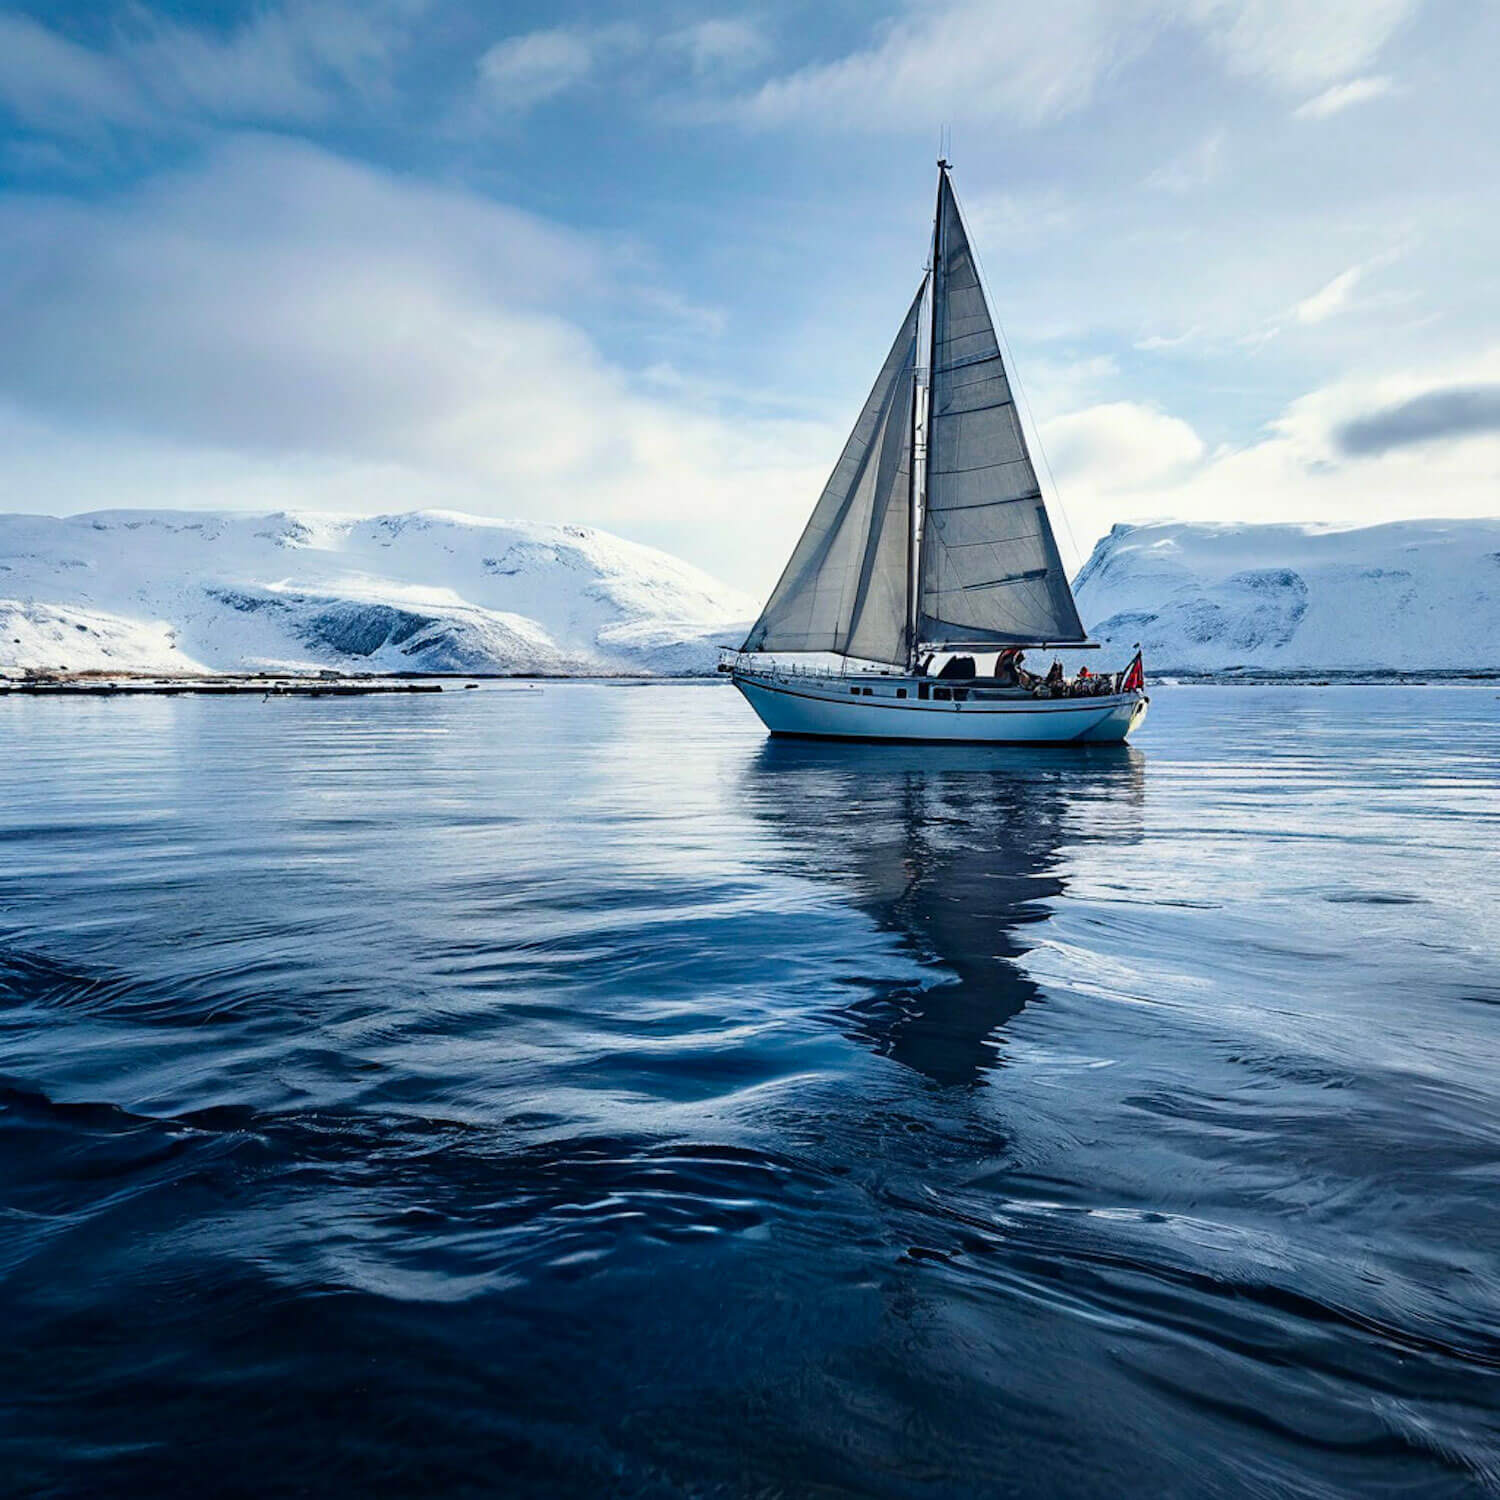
column 521, row 72
column 296, row 329
column 1000, row 60
column 1330, row 299
column 1158, row 341
column 1342, row 95
column 724, row 43
column 1122, row 445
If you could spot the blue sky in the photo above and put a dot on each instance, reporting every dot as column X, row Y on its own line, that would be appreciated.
column 635, row 266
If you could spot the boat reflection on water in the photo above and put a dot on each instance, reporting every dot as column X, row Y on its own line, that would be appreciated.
column 959, row 849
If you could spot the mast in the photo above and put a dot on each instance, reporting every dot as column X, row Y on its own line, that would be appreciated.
column 912, row 541
column 914, row 572
column 937, row 251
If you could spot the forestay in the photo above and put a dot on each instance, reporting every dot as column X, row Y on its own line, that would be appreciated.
column 990, row 568
column 845, row 588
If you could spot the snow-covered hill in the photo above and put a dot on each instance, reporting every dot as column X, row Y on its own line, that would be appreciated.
column 1410, row 596
column 429, row 592
column 436, row 591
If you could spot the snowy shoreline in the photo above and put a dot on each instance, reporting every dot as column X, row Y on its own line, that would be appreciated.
column 242, row 684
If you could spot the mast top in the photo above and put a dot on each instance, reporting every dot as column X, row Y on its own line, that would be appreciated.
column 944, row 165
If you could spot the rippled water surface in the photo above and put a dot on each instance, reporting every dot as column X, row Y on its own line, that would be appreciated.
column 571, row 1092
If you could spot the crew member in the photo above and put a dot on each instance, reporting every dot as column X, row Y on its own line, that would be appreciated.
column 1008, row 668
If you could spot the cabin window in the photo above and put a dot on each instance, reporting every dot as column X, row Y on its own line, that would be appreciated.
column 869, row 692
column 854, row 692
column 942, row 694
column 923, row 690
column 900, row 692
column 960, row 695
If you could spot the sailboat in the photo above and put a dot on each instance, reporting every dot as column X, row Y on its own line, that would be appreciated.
column 931, row 539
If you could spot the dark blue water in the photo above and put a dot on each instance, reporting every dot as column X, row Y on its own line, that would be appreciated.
column 573, row 1093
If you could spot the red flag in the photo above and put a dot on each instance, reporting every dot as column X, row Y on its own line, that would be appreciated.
column 1134, row 680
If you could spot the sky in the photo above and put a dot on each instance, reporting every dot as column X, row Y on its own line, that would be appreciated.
column 636, row 266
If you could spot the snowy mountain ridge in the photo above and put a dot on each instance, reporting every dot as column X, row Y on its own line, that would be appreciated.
column 434, row 591
column 428, row 591
column 1408, row 596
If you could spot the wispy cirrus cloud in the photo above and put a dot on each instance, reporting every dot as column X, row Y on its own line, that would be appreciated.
column 289, row 63
column 1294, row 44
column 1155, row 342
column 1003, row 62
column 56, row 84
column 999, row 62
column 726, row 43
column 521, row 72
column 1342, row 95
column 1331, row 298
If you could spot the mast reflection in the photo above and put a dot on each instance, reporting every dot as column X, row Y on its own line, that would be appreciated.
column 957, row 849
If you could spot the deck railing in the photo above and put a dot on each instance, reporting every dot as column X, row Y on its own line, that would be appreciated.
column 750, row 664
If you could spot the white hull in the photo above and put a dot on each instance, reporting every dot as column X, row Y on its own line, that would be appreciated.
column 880, row 707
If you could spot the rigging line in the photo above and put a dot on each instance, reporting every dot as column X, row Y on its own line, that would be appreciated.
column 1015, row 377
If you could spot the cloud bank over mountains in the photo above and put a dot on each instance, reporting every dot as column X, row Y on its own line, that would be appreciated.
column 1433, row 436
column 291, row 324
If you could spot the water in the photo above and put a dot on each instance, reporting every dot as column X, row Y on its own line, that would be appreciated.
column 574, row 1093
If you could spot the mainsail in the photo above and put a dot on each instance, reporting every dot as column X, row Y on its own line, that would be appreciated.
column 990, row 569
column 845, row 589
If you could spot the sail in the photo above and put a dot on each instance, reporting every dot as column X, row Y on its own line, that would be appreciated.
column 845, row 588
column 990, row 569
